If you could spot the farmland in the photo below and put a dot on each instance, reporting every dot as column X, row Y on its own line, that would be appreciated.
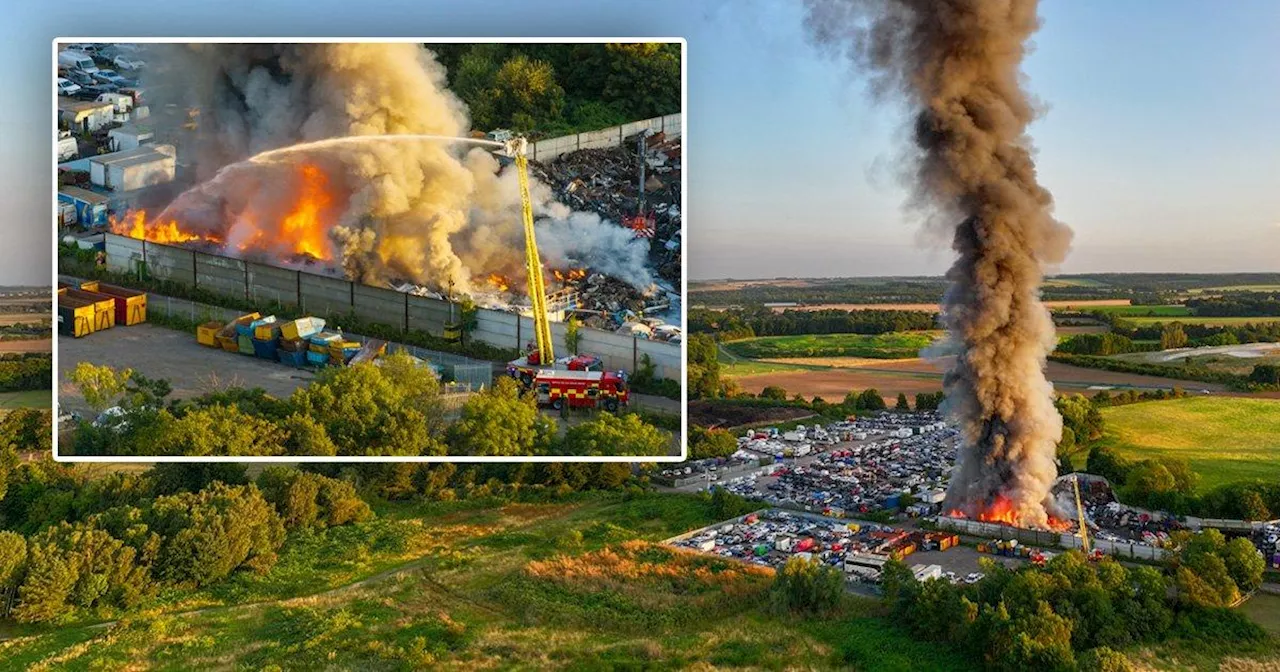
column 880, row 346
column 1207, row 321
column 1126, row 310
column 1223, row 439
column 912, row 376
column 29, row 345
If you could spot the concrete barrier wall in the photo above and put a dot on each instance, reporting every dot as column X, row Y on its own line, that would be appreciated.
column 1227, row 525
column 1044, row 538
column 272, row 284
column 614, row 136
column 332, row 297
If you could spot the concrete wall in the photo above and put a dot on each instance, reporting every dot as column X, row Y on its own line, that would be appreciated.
column 551, row 148
column 334, row 297
column 998, row 531
column 1043, row 538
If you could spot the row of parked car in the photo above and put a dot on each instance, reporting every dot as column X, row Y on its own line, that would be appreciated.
column 87, row 71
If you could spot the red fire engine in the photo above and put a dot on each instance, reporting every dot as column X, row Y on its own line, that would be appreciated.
column 580, row 389
column 525, row 368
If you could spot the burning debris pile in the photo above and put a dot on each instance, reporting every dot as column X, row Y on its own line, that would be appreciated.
column 606, row 182
column 956, row 64
column 347, row 159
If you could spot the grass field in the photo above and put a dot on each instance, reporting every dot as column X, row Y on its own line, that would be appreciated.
column 531, row 586
column 899, row 345
column 1238, row 288
column 1155, row 311
column 1224, row 439
column 1207, row 321
column 1264, row 609
column 27, row 399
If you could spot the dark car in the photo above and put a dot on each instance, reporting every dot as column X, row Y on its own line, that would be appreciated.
column 92, row 91
column 80, row 77
column 114, row 78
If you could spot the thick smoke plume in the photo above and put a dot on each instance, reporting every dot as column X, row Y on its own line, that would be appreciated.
column 956, row 63
column 423, row 211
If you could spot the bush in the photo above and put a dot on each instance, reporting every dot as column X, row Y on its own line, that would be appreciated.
column 808, row 587
column 212, row 533
column 1103, row 659
column 707, row 443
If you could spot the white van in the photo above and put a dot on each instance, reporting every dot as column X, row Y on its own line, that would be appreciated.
column 77, row 61
column 67, row 87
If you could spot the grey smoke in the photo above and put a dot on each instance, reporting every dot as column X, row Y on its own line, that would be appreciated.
column 956, row 65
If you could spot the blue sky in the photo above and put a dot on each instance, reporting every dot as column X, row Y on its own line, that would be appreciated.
column 1161, row 141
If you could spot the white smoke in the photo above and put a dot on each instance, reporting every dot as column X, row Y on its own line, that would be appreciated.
column 429, row 212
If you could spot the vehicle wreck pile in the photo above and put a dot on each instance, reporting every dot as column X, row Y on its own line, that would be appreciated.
column 607, row 182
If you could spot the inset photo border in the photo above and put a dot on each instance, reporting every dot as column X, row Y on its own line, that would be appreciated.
column 310, row 249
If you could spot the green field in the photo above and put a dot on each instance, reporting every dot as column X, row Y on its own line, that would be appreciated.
column 27, row 399
column 1264, row 608
column 1207, row 321
column 1073, row 282
column 1224, row 439
column 1238, row 288
column 1127, row 311
column 465, row 586
column 898, row 345
column 733, row 365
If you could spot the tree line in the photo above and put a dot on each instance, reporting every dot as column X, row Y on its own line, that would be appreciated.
column 395, row 408
column 558, row 89
column 69, row 545
column 1139, row 288
column 738, row 323
column 1074, row 614
column 1237, row 304
column 27, row 371
column 74, row 542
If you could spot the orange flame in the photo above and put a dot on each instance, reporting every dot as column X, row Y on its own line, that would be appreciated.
column 303, row 225
column 303, row 231
column 571, row 275
column 1001, row 511
column 135, row 225
column 499, row 282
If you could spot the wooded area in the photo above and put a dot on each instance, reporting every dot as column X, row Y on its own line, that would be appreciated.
column 548, row 90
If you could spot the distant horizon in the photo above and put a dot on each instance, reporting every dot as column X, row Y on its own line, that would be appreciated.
column 939, row 276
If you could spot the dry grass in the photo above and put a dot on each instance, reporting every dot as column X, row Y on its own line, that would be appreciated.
column 643, row 562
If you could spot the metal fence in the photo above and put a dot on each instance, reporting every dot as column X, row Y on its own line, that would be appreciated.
column 336, row 298
column 468, row 374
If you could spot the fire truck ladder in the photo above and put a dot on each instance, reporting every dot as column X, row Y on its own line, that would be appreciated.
column 1084, row 529
column 537, row 287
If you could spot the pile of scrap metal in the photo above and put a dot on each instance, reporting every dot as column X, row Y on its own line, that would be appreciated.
column 606, row 181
